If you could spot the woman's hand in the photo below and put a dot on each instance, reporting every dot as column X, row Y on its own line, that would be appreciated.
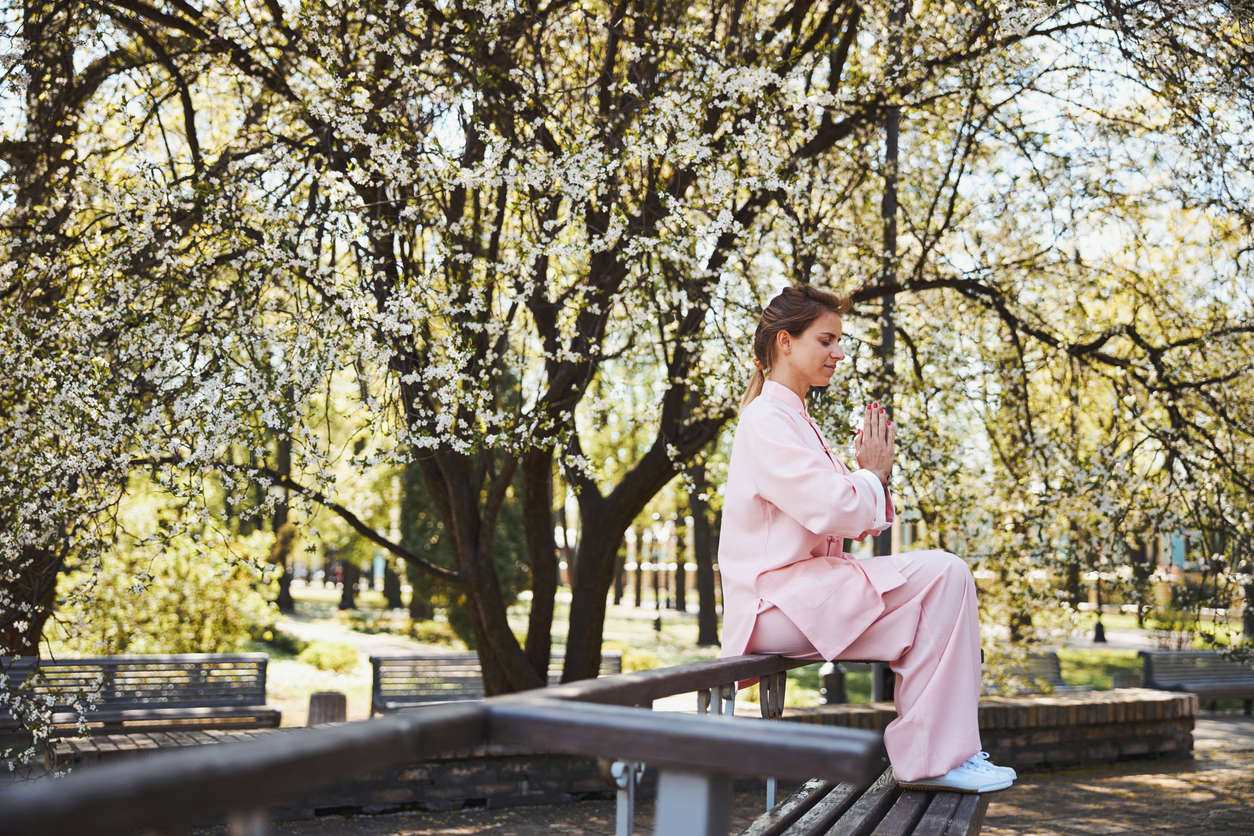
column 873, row 445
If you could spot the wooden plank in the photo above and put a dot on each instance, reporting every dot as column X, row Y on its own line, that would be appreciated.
column 824, row 813
column 905, row 813
column 782, row 815
column 968, row 818
column 726, row 745
column 936, row 820
column 867, row 811
column 642, row 687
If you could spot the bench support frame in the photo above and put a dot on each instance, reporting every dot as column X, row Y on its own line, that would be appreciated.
column 691, row 803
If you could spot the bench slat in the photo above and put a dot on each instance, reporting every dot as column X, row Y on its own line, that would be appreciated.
column 867, row 811
column 829, row 808
column 969, row 817
column 786, row 812
column 940, row 811
column 905, row 814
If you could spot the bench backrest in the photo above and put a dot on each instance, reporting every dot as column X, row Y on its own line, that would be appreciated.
column 115, row 683
column 1194, row 667
column 1038, row 673
column 449, row 676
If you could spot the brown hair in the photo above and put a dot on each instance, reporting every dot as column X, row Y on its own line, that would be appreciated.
column 793, row 310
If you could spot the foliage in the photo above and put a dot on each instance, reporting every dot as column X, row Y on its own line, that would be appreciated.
column 434, row 632
column 278, row 644
column 339, row 657
column 178, row 599
column 634, row 658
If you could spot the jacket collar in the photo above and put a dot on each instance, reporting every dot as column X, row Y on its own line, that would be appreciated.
column 782, row 393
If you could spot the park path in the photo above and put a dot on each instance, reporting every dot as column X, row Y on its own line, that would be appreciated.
column 312, row 629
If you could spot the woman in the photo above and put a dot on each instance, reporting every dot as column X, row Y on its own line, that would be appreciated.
column 790, row 589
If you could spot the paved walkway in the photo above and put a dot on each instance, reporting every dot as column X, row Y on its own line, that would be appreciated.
column 1211, row 794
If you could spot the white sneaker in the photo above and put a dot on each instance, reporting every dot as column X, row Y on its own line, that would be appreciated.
column 975, row 774
column 1008, row 770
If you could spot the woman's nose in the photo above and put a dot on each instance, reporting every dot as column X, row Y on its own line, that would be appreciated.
column 838, row 352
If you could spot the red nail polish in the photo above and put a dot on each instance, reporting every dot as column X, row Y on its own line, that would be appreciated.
column 875, row 405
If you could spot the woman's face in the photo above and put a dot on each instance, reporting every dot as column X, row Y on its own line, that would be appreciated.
column 812, row 356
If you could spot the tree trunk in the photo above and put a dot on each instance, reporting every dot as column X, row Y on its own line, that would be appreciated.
column 703, row 555
column 681, row 558
column 888, row 215
column 451, row 477
column 1141, row 558
column 537, row 468
column 619, row 574
column 1072, row 585
column 391, row 586
column 589, row 590
column 638, row 579
column 280, row 556
column 420, row 608
column 29, row 601
column 348, row 588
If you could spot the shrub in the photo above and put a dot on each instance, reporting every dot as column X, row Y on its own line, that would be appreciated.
column 187, row 598
column 633, row 659
column 277, row 643
column 329, row 656
column 434, row 632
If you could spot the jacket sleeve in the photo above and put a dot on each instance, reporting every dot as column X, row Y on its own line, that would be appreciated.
column 798, row 478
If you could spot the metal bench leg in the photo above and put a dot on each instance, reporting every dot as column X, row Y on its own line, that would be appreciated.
column 627, row 775
column 771, row 701
column 692, row 804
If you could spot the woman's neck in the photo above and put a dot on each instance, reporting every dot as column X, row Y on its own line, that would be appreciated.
column 792, row 380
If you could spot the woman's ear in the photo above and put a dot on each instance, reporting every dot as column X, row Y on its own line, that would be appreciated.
column 783, row 342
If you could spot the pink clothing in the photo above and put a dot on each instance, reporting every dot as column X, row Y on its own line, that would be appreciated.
column 930, row 634
column 789, row 588
column 788, row 507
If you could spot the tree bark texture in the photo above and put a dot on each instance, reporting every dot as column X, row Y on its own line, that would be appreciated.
column 703, row 548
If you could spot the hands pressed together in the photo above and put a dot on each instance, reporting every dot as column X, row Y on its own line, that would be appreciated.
column 873, row 443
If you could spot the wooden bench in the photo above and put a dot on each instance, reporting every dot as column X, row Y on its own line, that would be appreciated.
column 408, row 680
column 1207, row 673
column 142, row 693
column 877, row 806
column 1041, row 671
column 1043, row 674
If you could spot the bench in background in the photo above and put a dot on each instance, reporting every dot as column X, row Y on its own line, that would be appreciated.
column 407, row 680
column 144, row 693
column 1042, row 673
column 1207, row 673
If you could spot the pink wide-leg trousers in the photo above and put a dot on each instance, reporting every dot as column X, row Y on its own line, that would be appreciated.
column 929, row 633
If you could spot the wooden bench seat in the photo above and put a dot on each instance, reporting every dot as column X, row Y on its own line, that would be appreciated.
column 879, row 807
column 1207, row 673
column 400, row 681
column 143, row 692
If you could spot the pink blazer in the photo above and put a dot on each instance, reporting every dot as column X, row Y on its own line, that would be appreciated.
column 788, row 507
